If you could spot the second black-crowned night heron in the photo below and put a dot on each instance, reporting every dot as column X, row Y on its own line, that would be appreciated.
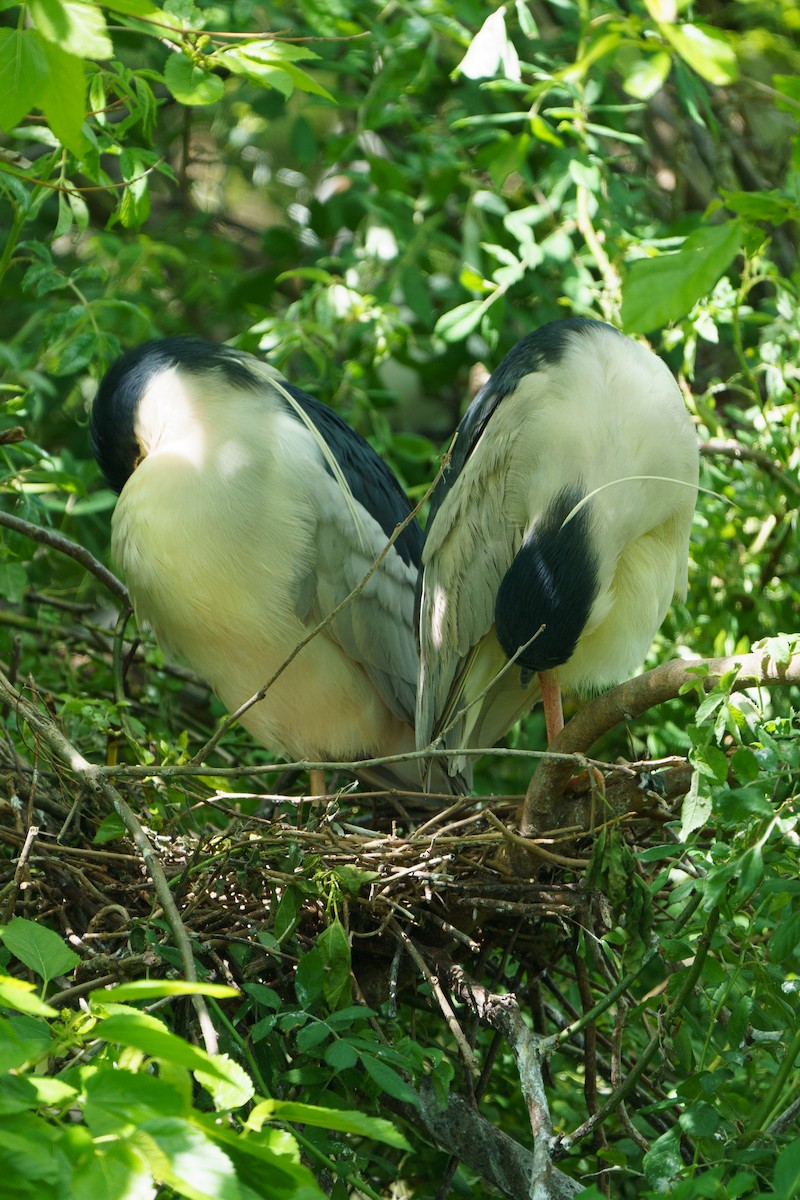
column 557, row 536
column 247, row 511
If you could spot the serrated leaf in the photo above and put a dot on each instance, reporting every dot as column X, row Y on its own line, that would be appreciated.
column 145, row 1033
column 707, row 51
column 39, row 948
column 191, row 84
column 76, row 27
column 659, row 290
column 710, row 761
column 230, row 1093
column 23, row 74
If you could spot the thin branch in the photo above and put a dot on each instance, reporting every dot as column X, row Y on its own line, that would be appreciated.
column 630, row 700
column 533, row 847
column 730, row 448
column 57, row 541
column 447, row 1009
column 503, row 1013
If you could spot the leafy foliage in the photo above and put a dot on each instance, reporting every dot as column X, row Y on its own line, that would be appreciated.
column 379, row 198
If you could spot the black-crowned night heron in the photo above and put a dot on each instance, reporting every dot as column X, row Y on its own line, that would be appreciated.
column 247, row 511
column 557, row 536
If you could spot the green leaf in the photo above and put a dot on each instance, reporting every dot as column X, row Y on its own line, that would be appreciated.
column 22, row 1093
column 153, row 989
column 109, row 829
column 787, row 1171
column 21, row 996
column 647, row 75
column 23, row 74
column 117, row 1100
column 696, row 808
column 544, row 132
column 663, row 1162
column 739, row 1020
column 134, row 8
column 388, row 1080
column 334, row 948
column 191, row 84
column 230, row 1093
column 63, row 99
column 328, row 1118
column 76, row 27
column 309, row 979
column 663, row 289
column 190, row 1162
column 751, row 872
column 700, row 1120
column 39, row 948
column 152, row 1037
column 455, row 325
column 784, row 943
column 341, row 1055
column 710, row 761
column 705, row 50
column 773, row 206
column 117, row 1170
column 272, row 64
column 287, row 913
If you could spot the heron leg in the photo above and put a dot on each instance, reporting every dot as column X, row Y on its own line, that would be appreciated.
column 316, row 784
column 551, row 702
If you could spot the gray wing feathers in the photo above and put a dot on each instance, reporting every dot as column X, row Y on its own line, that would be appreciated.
column 376, row 628
column 470, row 545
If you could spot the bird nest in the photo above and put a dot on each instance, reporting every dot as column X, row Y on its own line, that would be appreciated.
column 458, row 877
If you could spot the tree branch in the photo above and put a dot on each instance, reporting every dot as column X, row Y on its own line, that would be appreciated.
column 459, row 1129
column 630, row 700
column 57, row 541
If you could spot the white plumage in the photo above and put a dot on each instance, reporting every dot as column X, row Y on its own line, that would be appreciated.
column 561, row 526
column 245, row 516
